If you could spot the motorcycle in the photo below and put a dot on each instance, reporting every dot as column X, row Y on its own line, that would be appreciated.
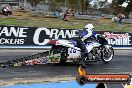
column 63, row 51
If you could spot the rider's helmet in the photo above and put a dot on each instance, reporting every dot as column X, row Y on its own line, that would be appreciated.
column 89, row 27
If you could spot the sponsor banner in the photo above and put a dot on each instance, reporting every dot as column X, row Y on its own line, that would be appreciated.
column 83, row 78
column 31, row 36
column 104, row 78
column 118, row 39
column 20, row 37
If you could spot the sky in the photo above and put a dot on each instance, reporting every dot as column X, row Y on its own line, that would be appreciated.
column 109, row 1
column 124, row 4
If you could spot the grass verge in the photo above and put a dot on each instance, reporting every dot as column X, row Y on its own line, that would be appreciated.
column 102, row 24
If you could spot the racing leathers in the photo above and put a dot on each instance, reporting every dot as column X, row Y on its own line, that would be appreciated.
column 84, row 35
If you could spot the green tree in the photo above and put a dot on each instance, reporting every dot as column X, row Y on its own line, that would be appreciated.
column 102, row 4
column 128, row 9
column 84, row 4
column 33, row 3
column 54, row 5
column 116, row 5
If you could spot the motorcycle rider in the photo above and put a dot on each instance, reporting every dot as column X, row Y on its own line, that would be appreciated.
column 86, row 33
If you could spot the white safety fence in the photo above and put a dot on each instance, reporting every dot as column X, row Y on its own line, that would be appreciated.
column 127, row 20
column 82, row 16
column 87, row 17
column 41, row 12
column 92, row 17
column 107, row 16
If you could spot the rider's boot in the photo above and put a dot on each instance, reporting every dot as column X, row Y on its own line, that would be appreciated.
column 84, row 52
column 82, row 59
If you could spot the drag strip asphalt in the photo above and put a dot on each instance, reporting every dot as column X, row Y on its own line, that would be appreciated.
column 122, row 63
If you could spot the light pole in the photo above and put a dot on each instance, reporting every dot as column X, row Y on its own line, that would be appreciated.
column 65, row 2
column 46, row 1
column 25, row 3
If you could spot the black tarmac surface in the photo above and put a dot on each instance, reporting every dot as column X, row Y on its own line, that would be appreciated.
column 122, row 63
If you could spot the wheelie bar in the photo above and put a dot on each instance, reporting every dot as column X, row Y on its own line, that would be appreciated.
column 27, row 60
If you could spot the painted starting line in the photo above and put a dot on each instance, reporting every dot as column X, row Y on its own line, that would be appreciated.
column 69, row 84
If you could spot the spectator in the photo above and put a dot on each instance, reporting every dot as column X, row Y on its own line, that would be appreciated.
column 65, row 17
column 120, row 17
column 21, row 7
column 6, row 11
column 57, row 13
column 115, row 19
column 62, row 15
column 68, row 12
